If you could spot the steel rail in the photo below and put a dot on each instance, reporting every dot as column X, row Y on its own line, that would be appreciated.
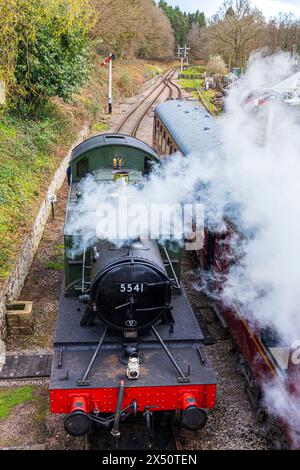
column 165, row 84
column 128, row 116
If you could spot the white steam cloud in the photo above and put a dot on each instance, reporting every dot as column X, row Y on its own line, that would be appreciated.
column 162, row 207
column 261, row 174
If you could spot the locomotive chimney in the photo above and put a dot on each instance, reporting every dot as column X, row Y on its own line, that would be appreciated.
column 121, row 177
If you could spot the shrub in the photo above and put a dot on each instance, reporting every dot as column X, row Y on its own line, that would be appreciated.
column 216, row 65
column 44, row 48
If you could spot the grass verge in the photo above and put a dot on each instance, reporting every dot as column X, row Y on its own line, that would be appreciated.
column 10, row 398
column 196, row 69
column 197, row 87
column 206, row 97
column 27, row 162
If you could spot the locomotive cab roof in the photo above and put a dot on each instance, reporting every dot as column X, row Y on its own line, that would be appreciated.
column 101, row 157
column 100, row 150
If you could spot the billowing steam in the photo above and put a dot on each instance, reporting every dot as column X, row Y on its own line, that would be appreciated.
column 261, row 175
column 162, row 208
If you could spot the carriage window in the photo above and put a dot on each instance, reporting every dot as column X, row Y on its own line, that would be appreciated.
column 164, row 142
column 157, row 130
column 167, row 145
column 82, row 167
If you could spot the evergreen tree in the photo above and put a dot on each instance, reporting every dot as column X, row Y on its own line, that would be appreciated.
column 182, row 22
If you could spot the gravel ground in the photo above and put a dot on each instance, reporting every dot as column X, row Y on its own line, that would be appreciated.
column 231, row 425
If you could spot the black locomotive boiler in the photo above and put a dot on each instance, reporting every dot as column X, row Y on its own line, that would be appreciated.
column 139, row 302
column 127, row 342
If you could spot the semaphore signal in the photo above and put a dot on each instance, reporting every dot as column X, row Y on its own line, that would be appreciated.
column 183, row 55
column 109, row 61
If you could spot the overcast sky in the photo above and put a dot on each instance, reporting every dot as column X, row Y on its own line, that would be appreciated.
column 268, row 7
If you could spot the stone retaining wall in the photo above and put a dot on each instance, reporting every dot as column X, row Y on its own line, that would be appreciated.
column 14, row 284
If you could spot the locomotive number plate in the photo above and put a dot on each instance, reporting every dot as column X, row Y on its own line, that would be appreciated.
column 132, row 287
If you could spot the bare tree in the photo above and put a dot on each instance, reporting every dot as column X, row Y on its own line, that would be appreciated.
column 283, row 32
column 195, row 41
column 133, row 27
column 216, row 65
column 235, row 30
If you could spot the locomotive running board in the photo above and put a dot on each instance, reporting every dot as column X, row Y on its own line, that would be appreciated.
column 26, row 366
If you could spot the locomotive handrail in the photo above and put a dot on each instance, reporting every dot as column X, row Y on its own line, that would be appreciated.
column 84, row 381
column 182, row 377
column 177, row 285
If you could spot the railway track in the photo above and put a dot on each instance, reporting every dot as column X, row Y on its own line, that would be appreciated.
column 131, row 123
column 174, row 90
column 135, row 437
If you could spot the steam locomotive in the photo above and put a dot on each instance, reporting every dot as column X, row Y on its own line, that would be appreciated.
column 127, row 343
column 262, row 357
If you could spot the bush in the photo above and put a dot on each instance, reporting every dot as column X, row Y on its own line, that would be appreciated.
column 45, row 48
column 216, row 65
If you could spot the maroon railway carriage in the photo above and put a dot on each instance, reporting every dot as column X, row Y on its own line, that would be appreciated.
column 261, row 357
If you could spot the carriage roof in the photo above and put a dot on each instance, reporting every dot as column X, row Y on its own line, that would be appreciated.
column 191, row 126
column 195, row 130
